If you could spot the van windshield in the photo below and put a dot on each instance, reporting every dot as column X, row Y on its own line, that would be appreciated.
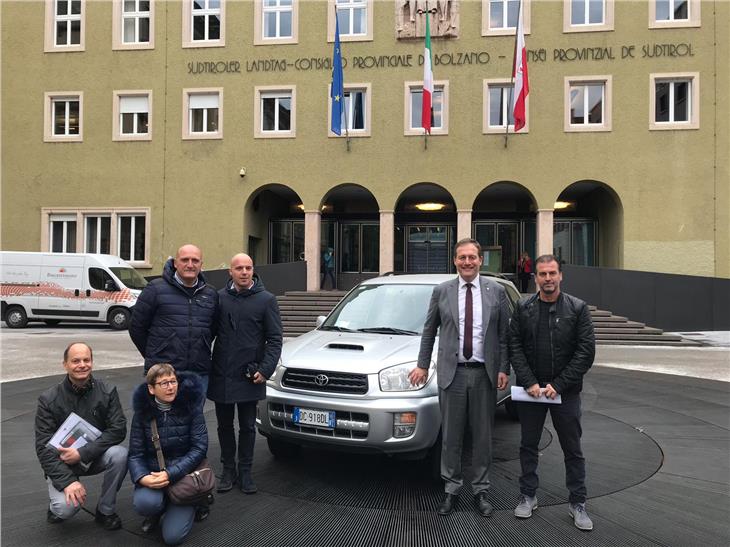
column 130, row 277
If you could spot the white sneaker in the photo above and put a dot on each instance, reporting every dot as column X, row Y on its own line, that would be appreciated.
column 525, row 507
column 580, row 518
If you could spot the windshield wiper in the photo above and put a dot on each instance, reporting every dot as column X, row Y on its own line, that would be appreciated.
column 335, row 327
column 388, row 330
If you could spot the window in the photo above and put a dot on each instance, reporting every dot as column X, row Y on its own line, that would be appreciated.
column 674, row 13
column 63, row 117
column 587, row 103
column 276, row 21
column 204, row 23
column 499, row 17
column 132, row 115
column 674, row 101
column 98, row 279
column 587, row 15
column 359, row 248
column 355, row 17
column 498, row 107
column 133, row 24
column 64, row 25
column 275, row 114
column 98, row 234
column 439, row 108
column 203, row 113
column 121, row 232
column 63, row 233
column 131, row 237
column 356, row 111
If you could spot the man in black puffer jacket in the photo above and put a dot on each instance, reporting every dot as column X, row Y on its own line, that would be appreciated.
column 174, row 318
column 552, row 346
column 246, row 352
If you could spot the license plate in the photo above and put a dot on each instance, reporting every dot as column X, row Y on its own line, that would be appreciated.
column 317, row 418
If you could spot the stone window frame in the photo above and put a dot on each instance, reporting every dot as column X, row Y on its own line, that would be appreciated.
column 118, row 44
column 187, row 134
column 117, row 134
column 694, row 98
column 694, row 20
column 608, row 19
column 367, row 132
column 367, row 37
column 187, row 27
column 258, row 36
column 48, row 98
column 500, row 130
column 49, row 42
column 505, row 31
column 411, row 85
column 260, row 92
column 607, row 123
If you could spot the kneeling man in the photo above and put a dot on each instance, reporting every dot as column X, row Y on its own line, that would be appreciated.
column 98, row 404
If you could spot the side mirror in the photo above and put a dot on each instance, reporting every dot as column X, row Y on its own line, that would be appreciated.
column 320, row 320
column 110, row 286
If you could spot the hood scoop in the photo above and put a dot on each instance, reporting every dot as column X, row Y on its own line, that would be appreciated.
column 355, row 347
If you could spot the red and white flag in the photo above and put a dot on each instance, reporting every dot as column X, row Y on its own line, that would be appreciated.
column 427, row 80
column 519, row 75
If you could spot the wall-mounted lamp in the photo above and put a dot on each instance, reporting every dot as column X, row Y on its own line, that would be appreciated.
column 430, row 206
column 564, row 205
column 242, row 172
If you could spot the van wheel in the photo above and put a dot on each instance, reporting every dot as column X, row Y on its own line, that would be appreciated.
column 52, row 322
column 119, row 318
column 16, row 318
column 282, row 450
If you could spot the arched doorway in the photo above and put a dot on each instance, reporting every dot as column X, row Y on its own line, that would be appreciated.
column 274, row 225
column 350, row 228
column 425, row 230
column 503, row 221
column 588, row 225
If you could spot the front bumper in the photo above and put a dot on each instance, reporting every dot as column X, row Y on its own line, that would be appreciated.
column 364, row 425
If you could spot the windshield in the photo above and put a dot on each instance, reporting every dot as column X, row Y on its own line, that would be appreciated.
column 388, row 309
column 131, row 278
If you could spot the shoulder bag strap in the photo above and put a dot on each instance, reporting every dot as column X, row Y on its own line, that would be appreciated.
column 156, row 442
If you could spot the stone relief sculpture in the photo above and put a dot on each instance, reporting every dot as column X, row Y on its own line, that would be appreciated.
column 410, row 18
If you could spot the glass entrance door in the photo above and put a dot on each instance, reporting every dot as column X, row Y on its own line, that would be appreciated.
column 428, row 249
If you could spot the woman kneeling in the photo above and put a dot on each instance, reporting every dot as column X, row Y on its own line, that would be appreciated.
column 175, row 401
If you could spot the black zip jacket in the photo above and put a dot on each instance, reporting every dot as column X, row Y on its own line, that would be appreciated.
column 572, row 342
column 169, row 325
column 99, row 406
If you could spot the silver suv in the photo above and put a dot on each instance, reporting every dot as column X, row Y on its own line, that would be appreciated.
column 345, row 384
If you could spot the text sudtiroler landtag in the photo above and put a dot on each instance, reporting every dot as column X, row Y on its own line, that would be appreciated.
column 459, row 58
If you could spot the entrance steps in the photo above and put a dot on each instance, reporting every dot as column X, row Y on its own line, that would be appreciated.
column 299, row 311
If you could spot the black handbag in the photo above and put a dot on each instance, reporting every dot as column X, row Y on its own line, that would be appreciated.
column 191, row 489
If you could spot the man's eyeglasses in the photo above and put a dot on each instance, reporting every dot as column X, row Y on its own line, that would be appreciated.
column 167, row 383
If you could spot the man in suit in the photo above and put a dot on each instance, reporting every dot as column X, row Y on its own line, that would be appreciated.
column 473, row 315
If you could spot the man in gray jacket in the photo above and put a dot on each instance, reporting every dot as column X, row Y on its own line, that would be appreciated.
column 473, row 315
column 98, row 404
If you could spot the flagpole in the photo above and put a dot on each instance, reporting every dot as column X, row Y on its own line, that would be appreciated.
column 512, row 79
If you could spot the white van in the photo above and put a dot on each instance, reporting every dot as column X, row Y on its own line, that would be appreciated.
column 55, row 287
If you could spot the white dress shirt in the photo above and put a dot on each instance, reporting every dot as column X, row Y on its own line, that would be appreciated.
column 477, row 337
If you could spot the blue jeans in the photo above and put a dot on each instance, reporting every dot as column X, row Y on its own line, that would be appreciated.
column 177, row 520
column 566, row 421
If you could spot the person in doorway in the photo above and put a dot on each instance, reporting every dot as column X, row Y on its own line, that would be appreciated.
column 552, row 346
column 328, row 267
column 245, row 354
column 524, row 271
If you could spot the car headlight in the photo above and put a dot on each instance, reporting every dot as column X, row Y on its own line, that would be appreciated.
column 278, row 371
column 396, row 378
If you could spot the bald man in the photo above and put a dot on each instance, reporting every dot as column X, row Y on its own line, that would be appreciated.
column 174, row 318
column 246, row 352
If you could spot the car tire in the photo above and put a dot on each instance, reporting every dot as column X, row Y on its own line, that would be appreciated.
column 52, row 322
column 282, row 449
column 511, row 408
column 15, row 317
column 118, row 318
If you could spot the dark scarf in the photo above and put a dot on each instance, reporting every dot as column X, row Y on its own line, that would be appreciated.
column 83, row 389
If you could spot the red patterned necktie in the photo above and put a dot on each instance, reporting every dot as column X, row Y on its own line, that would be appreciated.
column 468, row 323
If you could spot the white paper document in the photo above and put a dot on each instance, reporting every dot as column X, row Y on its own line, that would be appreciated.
column 74, row 432
column 519, row 394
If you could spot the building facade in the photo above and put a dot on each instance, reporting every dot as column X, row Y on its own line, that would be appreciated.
column 133, row 126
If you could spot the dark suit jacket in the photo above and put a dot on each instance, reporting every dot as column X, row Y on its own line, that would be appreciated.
column 443, row 311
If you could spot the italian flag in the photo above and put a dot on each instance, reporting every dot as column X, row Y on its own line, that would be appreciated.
column 427, row 80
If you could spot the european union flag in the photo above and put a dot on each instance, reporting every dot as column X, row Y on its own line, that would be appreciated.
column 337, row 91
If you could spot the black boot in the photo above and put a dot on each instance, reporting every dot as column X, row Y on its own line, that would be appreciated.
column 246, row 482
column 227, row 480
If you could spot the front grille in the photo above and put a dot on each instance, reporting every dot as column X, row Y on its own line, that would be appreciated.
column 336, row 382
column 349, row 425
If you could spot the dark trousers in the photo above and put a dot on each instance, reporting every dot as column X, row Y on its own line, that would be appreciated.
column 246, row 433
column 328, row 272
column 566, row 421
column 524, row 281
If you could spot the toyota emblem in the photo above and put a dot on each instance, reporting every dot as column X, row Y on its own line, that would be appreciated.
column 321, row 379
